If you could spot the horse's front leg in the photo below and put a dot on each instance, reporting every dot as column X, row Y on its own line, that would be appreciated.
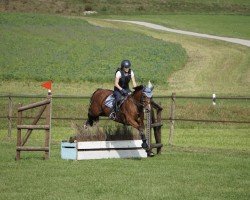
column 140, row 127
column 144, row 140
column 141, row 131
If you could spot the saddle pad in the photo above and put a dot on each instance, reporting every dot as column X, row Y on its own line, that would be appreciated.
column 109, row 101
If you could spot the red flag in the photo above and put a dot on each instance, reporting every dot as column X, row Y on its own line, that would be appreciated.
column 47, row 85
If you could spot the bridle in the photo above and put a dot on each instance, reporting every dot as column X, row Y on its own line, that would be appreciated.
column 140, row 103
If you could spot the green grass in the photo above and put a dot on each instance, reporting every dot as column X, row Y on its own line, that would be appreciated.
column 42, row 47
column 212, row 66
column 207, row 161
column 225, row 139
column 210, row 69
column 203, row 164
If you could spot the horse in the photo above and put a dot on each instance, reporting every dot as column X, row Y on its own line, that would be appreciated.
column 131, row 111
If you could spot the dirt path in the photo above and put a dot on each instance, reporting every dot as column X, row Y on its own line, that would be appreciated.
column 162, row 28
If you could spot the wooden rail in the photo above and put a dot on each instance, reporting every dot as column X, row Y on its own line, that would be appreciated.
column 156, row 124
column 34, row 105
column 45, row 107
column 38, row 127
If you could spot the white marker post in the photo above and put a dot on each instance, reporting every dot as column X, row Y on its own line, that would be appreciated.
column 214, row 98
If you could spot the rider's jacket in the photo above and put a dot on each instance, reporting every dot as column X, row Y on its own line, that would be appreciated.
column 124, row 80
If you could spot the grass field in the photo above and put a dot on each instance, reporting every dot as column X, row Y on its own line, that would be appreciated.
column 42, row 47
column 212, row 66
column 203, row 164
column 207, row 161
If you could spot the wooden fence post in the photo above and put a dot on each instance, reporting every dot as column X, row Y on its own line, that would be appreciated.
column 19, row 133
column 156, row 124
column 171, row 118
column 48, row 123
column 158, row 132
column 148, row 128
column 10, row 114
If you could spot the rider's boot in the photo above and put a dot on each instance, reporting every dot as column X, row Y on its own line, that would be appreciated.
column 114, row 111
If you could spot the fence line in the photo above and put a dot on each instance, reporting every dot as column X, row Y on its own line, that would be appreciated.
column 88, row 97
column 171, row 118
column 163, row 119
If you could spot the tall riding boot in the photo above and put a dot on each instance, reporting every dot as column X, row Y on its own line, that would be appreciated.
column 114, row 110
column 116, row 107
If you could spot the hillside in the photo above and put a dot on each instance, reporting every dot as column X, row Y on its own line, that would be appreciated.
column 72, row 52
column 41, row 47
column 77, row 7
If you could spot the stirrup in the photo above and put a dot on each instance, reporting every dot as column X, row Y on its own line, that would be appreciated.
column 112, row 115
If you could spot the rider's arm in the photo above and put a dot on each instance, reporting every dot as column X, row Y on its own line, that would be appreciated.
column 117, row 78
column 133, row 80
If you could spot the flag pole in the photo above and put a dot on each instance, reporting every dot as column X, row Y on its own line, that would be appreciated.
column 48, row 86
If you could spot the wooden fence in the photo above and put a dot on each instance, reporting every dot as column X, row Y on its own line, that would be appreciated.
column 44, row 105
column 171, row 110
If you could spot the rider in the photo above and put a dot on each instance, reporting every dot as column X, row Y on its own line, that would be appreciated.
column 122, row 78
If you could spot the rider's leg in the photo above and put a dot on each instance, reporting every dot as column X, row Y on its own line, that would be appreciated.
column 117, row 96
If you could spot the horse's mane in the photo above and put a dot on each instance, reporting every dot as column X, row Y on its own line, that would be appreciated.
column 137, row 88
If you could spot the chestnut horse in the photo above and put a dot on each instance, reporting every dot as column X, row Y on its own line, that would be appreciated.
column 131, row 111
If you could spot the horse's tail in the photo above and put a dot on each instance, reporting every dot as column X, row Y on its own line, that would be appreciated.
column 91, row 119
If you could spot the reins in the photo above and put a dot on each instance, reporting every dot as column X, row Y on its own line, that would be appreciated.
column 137, row 103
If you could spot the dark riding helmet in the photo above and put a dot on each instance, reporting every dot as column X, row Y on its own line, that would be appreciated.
column 125, row 64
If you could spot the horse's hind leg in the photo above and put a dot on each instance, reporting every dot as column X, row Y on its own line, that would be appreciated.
column 89, row 121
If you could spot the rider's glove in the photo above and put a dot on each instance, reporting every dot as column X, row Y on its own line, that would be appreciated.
column 124, row 92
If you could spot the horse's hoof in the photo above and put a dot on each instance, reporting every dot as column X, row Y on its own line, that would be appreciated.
column 144, row 145
column 151, row 154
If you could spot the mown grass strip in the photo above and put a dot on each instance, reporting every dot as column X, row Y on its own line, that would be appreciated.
column 42, row 47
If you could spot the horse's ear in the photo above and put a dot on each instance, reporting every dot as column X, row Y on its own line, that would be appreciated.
column 150, row 86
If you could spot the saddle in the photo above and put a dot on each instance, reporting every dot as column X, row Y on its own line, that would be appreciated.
column 109, row 102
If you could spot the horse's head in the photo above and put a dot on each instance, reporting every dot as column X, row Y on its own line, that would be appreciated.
column 143, row 94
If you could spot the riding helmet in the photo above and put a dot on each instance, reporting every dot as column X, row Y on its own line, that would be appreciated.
column 125, row 64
